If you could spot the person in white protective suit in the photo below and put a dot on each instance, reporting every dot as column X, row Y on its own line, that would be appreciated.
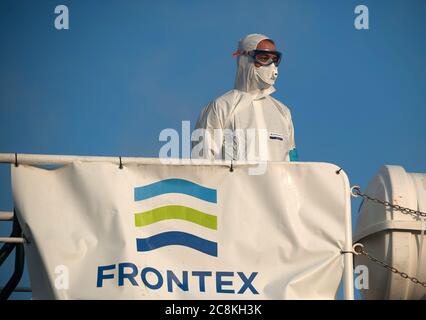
column 247, row 123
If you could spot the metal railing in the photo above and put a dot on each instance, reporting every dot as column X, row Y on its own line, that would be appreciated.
column 14, row 241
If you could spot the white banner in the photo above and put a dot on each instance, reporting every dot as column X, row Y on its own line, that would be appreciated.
column 156, row 231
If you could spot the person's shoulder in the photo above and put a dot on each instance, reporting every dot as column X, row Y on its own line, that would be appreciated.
column 284, row 107
column 222, row 104
column 226, row 99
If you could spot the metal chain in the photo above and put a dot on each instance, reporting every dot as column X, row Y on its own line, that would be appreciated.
column 356, row 191
column 359, row 249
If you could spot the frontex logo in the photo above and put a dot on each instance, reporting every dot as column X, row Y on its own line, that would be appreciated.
column 177, row 199
column 170, row 238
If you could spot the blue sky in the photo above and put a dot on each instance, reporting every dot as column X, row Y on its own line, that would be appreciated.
column 125, row 70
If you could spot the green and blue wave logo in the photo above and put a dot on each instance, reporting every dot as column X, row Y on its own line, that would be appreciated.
column 170, row 238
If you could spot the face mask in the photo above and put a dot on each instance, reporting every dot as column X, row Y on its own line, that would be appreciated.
column 267, row 74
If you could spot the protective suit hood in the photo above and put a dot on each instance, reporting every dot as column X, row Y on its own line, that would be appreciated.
column 246, row 79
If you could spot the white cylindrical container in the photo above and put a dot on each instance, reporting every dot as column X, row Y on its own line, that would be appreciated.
column 392, row 236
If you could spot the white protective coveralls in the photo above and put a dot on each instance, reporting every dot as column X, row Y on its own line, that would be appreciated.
column 254, row 125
